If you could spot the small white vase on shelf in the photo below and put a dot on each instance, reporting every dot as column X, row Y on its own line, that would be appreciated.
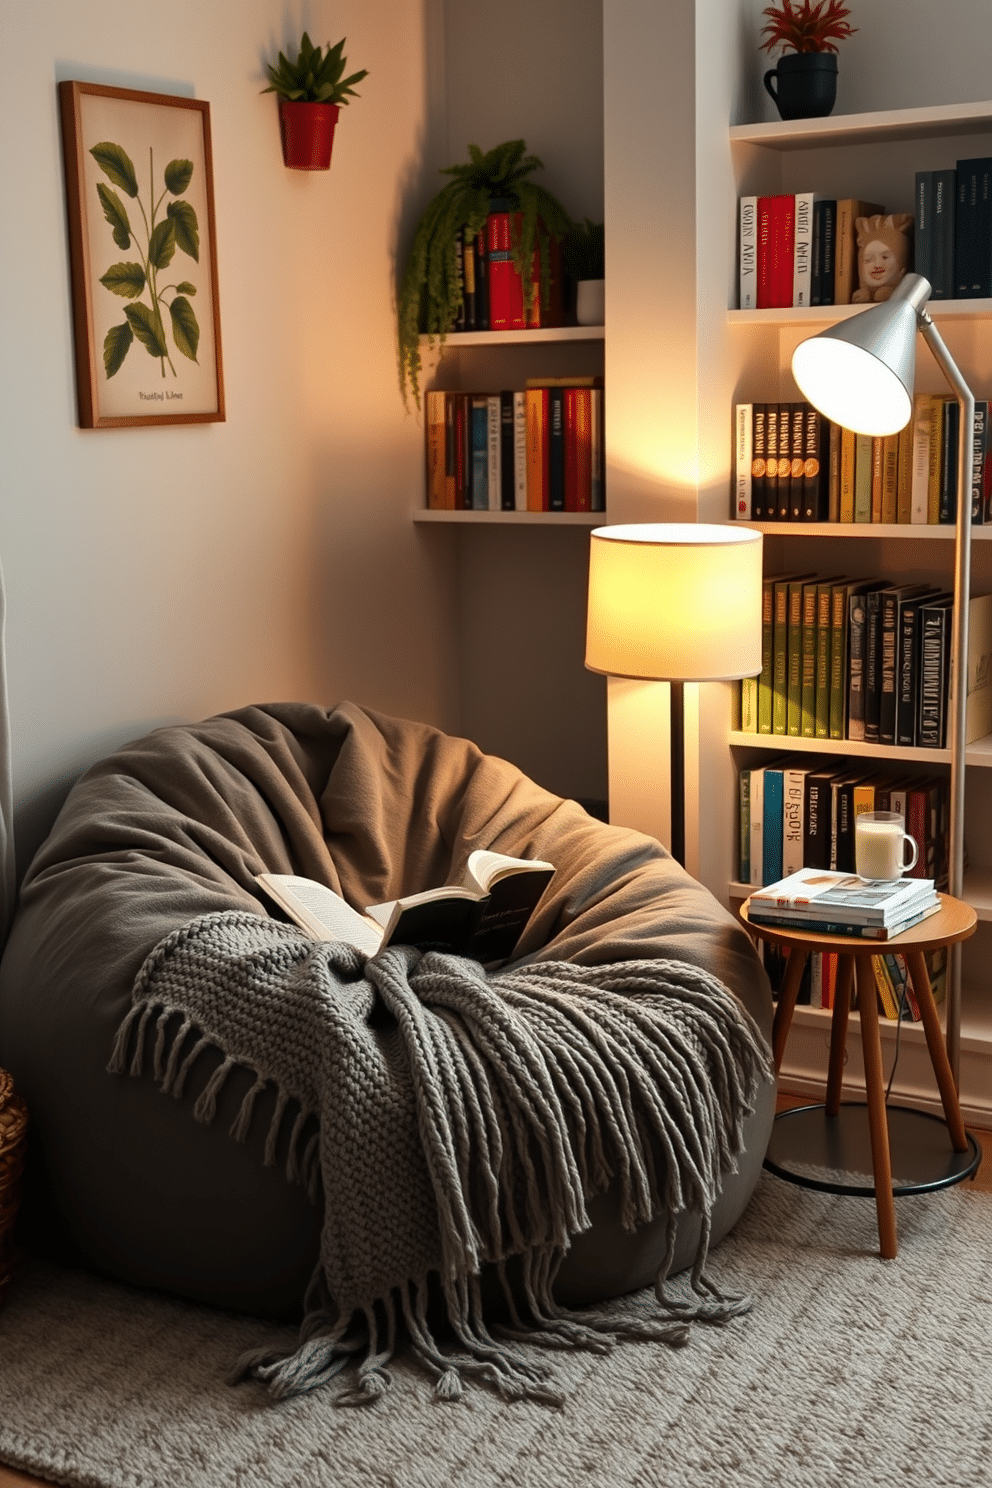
column 590, row 302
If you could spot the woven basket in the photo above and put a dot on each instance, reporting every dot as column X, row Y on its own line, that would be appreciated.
column 13, row 1145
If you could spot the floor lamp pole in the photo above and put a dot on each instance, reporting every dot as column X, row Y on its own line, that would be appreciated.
column 959, row 710
column 677, row 749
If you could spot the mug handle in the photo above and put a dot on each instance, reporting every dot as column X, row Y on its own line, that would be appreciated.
column 906, row 867
column 771, row 73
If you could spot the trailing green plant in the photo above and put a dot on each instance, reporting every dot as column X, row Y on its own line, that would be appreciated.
column 178, row 228
column 315, row 76
column 430, row 293
column 584, row 253
column 807, row 27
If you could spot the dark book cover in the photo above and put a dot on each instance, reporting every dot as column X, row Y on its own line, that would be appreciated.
column 908, row 663
column 943, row 232
column 507, row 453
column 844, row 805
column 816, row 465
column 892, row 601
column 873, row 663
column 923, row 225
column 771, row 462
column 759, row 457
column 463, row 452
column 556, row 449
column 934, row 657
column 784, row 461
column 856, row 653
column 973, row 229
column 481, row 282
column 824, row 229
column 797, row 457
column 816, row 816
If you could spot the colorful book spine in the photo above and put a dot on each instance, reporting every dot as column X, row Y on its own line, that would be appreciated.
column 743, row 460
column 597, row 461
column 748, row 246
column 807, row 710
column 765, row 679
column 780, row 659
column 802, row 256
column 772, row 843
column 520, row 453
column 537, row 449
column 822, row 704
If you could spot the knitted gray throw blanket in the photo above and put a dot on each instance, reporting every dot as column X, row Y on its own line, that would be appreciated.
column 462, row 1119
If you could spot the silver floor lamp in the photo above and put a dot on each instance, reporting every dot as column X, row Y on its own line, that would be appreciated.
column 860, row 373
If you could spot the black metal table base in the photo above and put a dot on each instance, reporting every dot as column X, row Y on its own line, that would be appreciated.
column 833, row 1153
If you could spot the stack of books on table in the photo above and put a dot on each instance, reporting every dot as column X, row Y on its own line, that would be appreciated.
column 843, row 904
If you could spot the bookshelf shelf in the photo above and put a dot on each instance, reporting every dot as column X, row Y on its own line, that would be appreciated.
column 904, row 532
column 940, row 311
column 978, row 754
column 510, row 518
column 546, row 334
column 885, row 126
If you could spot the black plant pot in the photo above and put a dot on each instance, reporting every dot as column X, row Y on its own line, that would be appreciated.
column 805, row 84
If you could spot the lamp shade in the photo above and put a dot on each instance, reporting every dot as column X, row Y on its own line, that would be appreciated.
column 860, row 372
column 674, row 602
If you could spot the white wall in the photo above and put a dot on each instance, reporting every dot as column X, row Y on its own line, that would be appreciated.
column 532, row 70
column 162, row 574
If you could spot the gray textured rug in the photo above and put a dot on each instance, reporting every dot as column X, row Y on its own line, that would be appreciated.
column 849, row 1371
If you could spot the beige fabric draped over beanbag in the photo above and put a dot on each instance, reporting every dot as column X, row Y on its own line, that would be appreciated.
column 176, row 825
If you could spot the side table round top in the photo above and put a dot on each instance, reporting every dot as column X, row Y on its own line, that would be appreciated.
column 954, row 921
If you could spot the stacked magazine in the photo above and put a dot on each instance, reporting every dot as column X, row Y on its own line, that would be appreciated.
column 843, row 904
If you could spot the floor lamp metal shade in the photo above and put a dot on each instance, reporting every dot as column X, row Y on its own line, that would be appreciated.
column 674, row 602
column 860, row 374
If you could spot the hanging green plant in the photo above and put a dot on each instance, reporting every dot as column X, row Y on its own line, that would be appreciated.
column 430, row 292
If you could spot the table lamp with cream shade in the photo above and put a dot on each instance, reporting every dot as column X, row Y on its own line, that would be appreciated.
column 860, row 373
column 676, row 603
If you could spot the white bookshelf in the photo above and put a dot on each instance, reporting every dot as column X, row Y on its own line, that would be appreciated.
column 875, row 156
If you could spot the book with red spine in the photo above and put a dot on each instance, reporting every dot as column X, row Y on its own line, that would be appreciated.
column 505, row 296
column 776, row 251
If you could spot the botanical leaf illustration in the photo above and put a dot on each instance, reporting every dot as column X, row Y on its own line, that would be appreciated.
column 116, row 163
column 178, row 174
column 148, row 328
column 187, row 228
column 162, row 244
column 116, row 214
column 125, row 279
column 129, row 278
column 185, row 330
column 115, row 347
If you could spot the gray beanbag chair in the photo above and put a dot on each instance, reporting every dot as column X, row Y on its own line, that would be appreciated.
column 177, row 825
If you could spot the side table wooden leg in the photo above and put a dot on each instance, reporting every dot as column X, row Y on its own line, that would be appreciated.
column 787, row 1002
column 930, row 1019
column 838, row 1032
column 877, row 1121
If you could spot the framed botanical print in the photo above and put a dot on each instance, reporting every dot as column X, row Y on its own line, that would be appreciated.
column 143, row 257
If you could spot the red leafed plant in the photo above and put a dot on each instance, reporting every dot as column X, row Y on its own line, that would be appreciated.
column 807, row 27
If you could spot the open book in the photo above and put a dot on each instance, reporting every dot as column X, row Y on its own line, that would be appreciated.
column 482, row 917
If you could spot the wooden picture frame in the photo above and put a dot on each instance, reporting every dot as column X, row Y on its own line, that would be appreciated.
column 143, row 257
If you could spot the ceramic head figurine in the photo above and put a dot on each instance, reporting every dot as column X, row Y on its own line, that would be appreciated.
column 883, row 254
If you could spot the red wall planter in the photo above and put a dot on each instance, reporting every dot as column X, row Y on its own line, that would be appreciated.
column 307, row 133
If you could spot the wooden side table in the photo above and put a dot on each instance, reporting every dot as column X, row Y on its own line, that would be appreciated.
column 953, row 922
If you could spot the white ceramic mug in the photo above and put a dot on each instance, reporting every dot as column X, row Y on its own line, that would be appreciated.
column 879, row 845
